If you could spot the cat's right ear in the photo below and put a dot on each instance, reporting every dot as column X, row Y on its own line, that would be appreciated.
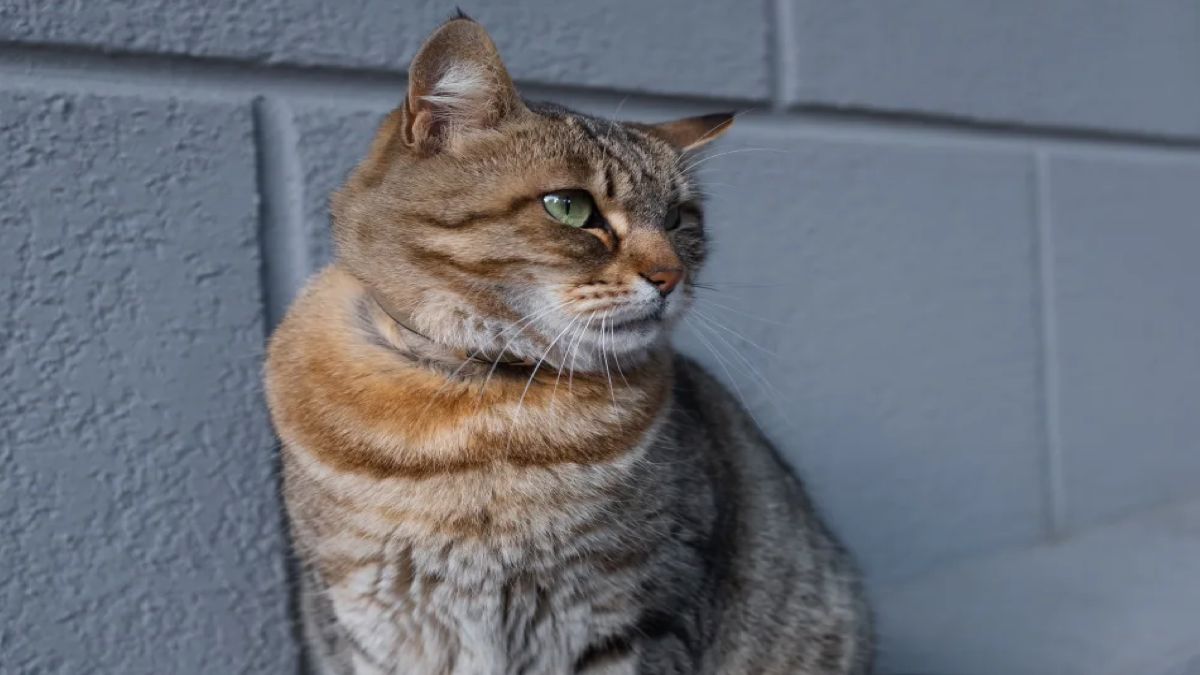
column 691, row 133
column 457, row 85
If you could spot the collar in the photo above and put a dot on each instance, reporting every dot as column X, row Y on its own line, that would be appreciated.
column 405, row 321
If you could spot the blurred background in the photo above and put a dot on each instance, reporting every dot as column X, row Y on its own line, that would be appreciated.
column 954, row 276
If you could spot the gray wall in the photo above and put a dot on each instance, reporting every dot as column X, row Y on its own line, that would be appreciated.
column 966, row 230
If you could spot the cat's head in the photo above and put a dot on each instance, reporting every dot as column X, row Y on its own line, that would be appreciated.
column 499, row 225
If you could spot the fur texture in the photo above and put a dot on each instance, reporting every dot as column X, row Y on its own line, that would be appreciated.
column 599, row 505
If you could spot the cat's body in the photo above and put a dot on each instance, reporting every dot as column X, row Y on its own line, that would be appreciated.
column 593, row 503
column 694, row 551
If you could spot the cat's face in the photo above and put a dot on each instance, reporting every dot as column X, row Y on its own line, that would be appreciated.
column 504, row 226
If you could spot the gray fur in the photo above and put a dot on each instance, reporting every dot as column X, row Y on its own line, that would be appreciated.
column 705, row 556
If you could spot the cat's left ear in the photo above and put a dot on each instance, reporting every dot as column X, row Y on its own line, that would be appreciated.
column 457, row 84
column 690, row 133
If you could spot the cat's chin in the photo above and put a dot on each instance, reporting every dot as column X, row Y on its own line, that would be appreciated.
column 636, row 334
column 630, row 343
column 629, row 337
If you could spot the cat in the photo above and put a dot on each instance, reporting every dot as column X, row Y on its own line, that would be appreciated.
column 493, row 461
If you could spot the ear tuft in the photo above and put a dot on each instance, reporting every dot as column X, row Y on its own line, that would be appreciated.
column 690, row 133
column 461, row 90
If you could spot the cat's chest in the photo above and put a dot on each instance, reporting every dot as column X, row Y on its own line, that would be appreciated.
column 479, row 607
column 516, row 570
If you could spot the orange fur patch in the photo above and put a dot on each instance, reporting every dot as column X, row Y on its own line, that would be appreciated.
column 359, row 406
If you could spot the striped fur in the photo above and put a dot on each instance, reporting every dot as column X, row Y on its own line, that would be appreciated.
column 607, row 510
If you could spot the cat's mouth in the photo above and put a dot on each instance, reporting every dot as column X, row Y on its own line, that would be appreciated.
column 643, row 318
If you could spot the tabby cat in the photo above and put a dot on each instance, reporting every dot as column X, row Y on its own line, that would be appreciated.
column 493, row 461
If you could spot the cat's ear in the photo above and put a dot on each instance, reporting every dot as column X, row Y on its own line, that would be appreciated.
column 690, row 133
column 457, row 84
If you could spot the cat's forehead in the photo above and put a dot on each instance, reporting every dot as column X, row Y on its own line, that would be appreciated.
column 635, row 168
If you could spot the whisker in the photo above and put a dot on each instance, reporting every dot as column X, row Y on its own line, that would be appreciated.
column 712, row 289
column 773, row 393
column 619, row 106
column 604, row 353
column 529, row 382
column 721, row 362
column 571, row 342
column 721, row 286
column 571, row 379
column 692, row 167
column 526, row 323
column 450, row 379
column 735, row 310
column 616, row 359
column 701, row 315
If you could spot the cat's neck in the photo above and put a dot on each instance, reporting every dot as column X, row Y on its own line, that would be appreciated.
column 384, row 317
column 362, row 393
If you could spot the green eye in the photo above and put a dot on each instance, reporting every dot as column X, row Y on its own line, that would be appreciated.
column 570, row 207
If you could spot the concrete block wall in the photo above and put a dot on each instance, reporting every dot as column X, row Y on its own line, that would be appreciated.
column 960, row 236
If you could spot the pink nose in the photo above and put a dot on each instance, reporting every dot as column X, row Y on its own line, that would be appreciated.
column 665, row 279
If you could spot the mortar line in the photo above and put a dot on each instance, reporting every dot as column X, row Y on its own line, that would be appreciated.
column 945, row 130
column 76, row 69
column 225, row 77
column 1050, row 368
column 283, row 244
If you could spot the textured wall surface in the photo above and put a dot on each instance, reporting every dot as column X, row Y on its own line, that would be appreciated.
column 954, row 277
column 140, row 533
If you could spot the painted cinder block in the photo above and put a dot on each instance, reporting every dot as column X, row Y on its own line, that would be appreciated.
column 330, row 143
column 1108, row 64
column 712, row 48
column 1125, row 233
column 895, row 286
column 138, row 500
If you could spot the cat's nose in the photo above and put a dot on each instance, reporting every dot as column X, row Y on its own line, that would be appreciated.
column 665, row 279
